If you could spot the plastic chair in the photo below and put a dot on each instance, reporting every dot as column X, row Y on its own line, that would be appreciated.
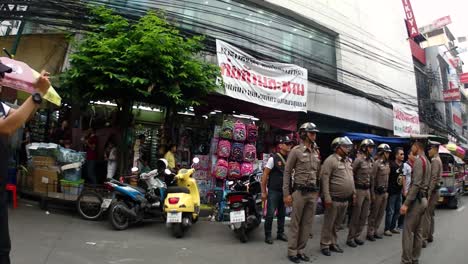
column 12, row 189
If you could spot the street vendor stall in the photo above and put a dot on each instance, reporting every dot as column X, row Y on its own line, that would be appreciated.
column 54, row 173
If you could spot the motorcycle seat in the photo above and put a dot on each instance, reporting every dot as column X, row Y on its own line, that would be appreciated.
column 131, row 186
column 178, row 189
column 143, row 191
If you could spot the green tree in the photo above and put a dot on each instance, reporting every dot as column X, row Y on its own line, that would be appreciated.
column 146, row 60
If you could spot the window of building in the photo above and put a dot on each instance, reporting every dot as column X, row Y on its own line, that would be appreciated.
column 255, row 29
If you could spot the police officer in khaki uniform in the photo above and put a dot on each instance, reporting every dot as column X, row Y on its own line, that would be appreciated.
column 336, row 176
column 434, row 185
column 362, row 169
column 415, row 205
column 302, row 193
column 378, row 192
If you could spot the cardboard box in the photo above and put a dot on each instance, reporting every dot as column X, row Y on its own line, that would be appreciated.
column 45, row 179
column 38, row 161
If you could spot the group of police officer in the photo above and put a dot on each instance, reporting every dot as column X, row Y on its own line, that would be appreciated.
column 341, row 182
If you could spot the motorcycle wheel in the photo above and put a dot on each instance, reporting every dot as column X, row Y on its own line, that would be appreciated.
column 453, row 203
column 118, row 219
column 89, row 205
column 177, row 230
column 242, row 234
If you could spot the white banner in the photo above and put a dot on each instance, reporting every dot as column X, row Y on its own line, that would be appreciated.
column 271, row 84
column 405, row 120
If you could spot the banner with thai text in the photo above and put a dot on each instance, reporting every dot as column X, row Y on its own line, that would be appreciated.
column 405, row 120
column 271, row 84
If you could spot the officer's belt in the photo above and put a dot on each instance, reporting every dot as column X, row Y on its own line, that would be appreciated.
column 305, row 188
column 362, row 186
column 380, row 190
column 340, row 200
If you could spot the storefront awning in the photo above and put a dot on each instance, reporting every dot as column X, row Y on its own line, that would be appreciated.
column 380, row 139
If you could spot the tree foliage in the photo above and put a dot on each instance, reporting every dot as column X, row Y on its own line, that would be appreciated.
column 148, row 60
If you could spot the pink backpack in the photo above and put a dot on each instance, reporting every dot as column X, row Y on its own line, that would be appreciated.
column 239, row 131
column 250, row 153
column 221, row 169
column 237, row 152
column 234, row 169
column 246, row 169
column 224, row 148
column 252, row 133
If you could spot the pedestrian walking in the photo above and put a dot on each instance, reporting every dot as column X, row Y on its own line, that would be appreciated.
column 170, row 157
column 91, row 155
column 111, row 157
column 362, row 169
column 336, row 176
column 415, row 205
column 434, row 185
column 301, row 193
column 10, row 121
column 272, row 189
column 395, row 187
column 379, row 195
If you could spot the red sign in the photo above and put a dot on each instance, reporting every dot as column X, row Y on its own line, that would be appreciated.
column 417, row 51
column 455, row 62
column 452, row 94
column 410, row 20
column 464, row 77
column 457, row 120
column 439, row 23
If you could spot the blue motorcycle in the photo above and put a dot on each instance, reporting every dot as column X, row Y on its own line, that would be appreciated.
column 131, row 204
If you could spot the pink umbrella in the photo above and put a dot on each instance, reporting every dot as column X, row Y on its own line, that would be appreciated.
column 22, row 77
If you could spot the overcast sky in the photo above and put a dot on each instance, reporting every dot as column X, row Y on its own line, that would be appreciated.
column 426, row 11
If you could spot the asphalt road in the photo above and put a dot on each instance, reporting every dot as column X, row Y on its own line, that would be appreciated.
column 63, row 238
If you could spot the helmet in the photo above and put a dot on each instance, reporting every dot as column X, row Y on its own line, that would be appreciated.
column 340, row 141
column 161, row 165
column 384, row 148
column 366, row 143
column 307, row 127
column 284, row 140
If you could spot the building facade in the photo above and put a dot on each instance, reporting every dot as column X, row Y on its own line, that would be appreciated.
column 356, row 52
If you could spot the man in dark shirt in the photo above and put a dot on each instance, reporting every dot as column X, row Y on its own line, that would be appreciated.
column 10, row 121
column 273, row 179
column 395, row 186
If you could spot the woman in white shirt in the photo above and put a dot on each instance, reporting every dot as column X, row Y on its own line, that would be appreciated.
column 111, row 158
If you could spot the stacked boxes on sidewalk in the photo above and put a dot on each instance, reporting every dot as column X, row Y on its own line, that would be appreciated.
column 53, row 169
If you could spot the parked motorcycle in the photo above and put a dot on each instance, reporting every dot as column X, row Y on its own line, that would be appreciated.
column 131, row 204
column 245, row 205
column 182, row 204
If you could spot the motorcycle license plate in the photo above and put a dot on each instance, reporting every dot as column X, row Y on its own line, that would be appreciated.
column 237, row 216
column 441, row 199
column 106, row 203
column 174, row 217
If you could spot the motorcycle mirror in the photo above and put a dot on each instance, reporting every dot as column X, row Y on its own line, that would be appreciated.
column 167, row 172
column 134, row 169
column 196, row 160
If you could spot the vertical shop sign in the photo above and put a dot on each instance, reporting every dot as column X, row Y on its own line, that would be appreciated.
column 271, row 84
column 410, row 20
column 405, row 120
